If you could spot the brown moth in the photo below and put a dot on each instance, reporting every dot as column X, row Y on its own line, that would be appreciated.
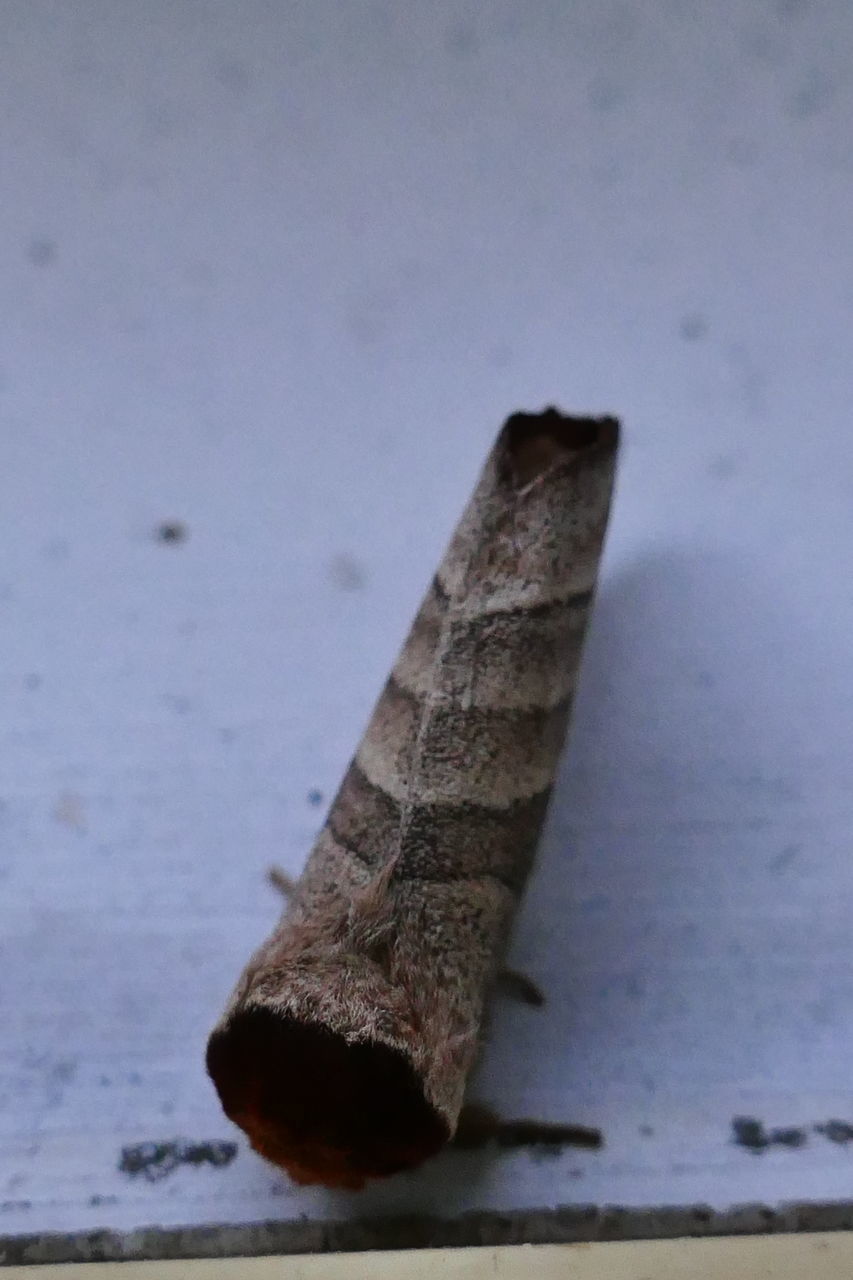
column 345, row 1048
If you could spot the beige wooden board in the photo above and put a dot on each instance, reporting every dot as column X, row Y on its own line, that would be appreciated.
column 804, row 1257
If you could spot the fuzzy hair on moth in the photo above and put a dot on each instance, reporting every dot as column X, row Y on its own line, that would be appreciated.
column 344, row 1050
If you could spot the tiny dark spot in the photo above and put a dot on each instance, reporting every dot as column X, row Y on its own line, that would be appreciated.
column 542, row 1150
column 57, row 549
column 741, row 152
column 172, row 531
column 750, row 1134
column 500, row 356
column 134, row 1078
column 790, row 1137
column 368, row 318
column 32, row 681
column 70, row 811
column 838, row 1131
column 646, row 1131
column 346, row 572
column 693, row 327
column 162, row 120
column 178, row 702
column 199, row 273
column 64, row 1071
column 783, row 860
column 722, row 467
column 605, row 95
column 461, row 39
column 315, row 797
column 761, row 45
column 156, row 1160
column 133, row 326
column 105, row 1082
column 812, row 97
column 9, row 1206
column 233, row 74
column 41, row 251
column 598, row 902
column 98, row 1201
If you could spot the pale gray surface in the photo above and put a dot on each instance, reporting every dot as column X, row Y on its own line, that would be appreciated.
column 279, row 271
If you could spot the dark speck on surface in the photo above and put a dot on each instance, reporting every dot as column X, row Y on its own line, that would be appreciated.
column 752, row 1135
column 178, row 702
column 812, row 97
column 500, row 355
column 156, row 1160
column 315, row 797
column 838, row 1131
column 693, row 327
column 791, row 1137
column 172, row 531
column 741, row 152
column 346, row 572
column 605, row 95
column 233, row 74
column 57, row 549
column 32, row 681
column 646, row 1131
column 783, row 860
column 41, row 252
column 461, row 39
column 722, row 467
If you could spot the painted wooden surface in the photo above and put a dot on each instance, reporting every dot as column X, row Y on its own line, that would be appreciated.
column 820, row 1256
column 273, row 276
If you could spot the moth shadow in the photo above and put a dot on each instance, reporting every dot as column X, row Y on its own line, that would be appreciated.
column 671, row 769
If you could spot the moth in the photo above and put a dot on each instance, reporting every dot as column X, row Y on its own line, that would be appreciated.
column 344, row 1050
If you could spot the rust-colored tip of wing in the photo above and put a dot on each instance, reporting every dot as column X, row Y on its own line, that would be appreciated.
column 325, row 1110
column 535, row 442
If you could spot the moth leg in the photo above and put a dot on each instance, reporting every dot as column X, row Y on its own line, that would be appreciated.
column 476, row 1126
column 282, row 882
column 519, row 987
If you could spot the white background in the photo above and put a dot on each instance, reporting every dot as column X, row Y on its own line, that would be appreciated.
column 279, row 271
